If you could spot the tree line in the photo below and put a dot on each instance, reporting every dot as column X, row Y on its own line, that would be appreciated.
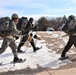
column 44, row 22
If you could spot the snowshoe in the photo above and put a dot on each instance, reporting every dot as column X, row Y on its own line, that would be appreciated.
column 63, row 58
column 18, row 60
column 37, row 48
column 1, row 63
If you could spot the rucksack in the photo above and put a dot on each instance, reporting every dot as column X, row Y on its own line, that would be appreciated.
column 22, row 23
column 4, row 24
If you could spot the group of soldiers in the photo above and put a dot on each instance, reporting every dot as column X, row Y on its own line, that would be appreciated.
column 12, row 32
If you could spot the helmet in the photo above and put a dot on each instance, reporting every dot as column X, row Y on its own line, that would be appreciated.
column 14, row 16
column 71, row 17
column 31, row 19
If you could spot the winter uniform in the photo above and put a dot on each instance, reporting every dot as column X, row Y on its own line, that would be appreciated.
column 27, row 29
column 72, row 37
column 8, row 39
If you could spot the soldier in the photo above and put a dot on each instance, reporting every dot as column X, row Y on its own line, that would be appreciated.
column 70, row 29
column 26, row 31
column 8, row 39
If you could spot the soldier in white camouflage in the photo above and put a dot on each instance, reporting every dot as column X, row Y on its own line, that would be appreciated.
column 8, row 40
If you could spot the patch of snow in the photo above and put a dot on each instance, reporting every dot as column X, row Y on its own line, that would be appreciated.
column 42, row 57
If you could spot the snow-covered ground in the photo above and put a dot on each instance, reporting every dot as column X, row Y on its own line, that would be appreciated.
column 45, row 57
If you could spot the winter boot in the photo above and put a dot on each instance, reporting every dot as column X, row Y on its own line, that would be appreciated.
column 63, row 58
column 36, row 48
column 16, row 59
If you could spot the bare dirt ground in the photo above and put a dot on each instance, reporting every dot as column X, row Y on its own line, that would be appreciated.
column 68, row 69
